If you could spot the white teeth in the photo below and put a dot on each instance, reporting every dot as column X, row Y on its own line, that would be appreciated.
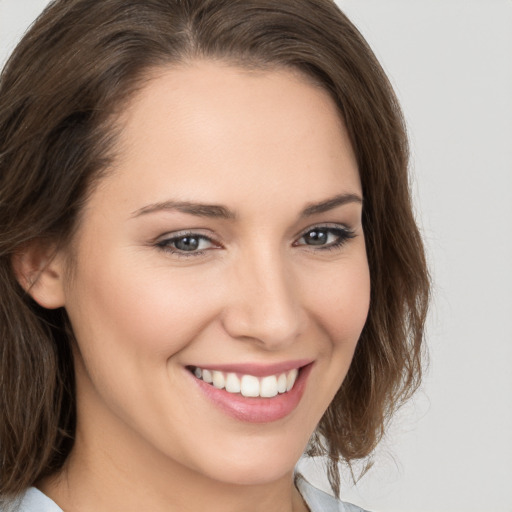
column 232, row 383
column 249, row 385
column 290, row 379
column 207, row 376
column 281, row 383
column 268, row 386
column 218, row 379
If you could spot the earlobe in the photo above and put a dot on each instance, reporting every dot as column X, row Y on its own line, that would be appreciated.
column 40, row 271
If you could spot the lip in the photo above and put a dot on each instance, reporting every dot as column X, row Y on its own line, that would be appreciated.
column 255, row 410
column 258, row 370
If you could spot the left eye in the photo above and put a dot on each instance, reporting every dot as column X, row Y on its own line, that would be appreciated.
column 187, row 243
column 326, row 237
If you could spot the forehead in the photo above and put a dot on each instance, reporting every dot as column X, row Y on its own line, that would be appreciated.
column 212, row 129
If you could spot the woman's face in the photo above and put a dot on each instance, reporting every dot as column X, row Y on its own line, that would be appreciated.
column 225, row 244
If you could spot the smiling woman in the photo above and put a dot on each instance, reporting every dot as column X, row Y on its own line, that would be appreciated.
column 208, row 254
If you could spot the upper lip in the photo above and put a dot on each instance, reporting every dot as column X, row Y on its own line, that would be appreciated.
column 257, row 369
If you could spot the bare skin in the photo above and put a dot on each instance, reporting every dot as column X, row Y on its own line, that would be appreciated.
column 273, row 280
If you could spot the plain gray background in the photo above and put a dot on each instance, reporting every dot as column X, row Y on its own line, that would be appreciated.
column 450, row 61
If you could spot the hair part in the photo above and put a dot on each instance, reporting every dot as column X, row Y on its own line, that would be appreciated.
column 61, row 93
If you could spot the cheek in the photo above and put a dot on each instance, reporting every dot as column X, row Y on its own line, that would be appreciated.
column 341, row 305
column 339, row 309
column 128, row 309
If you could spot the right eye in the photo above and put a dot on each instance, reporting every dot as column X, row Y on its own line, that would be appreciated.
column 186, row 245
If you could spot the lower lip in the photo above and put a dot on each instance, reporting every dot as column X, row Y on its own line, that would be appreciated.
column 256, row 410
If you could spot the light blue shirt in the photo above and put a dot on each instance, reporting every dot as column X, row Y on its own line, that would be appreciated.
column 318, row 501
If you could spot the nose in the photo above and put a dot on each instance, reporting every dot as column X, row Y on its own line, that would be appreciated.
column 264, row 302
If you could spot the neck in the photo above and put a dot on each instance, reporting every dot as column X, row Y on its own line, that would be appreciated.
column 113, row 467
column 99, row 477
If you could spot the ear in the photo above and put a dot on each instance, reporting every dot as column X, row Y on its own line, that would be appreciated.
column 39, row 268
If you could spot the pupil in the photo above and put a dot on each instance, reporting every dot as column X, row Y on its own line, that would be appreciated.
column 187, row 243
column 317, row 237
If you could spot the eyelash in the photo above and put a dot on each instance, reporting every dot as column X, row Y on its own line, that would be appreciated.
column 343, row 234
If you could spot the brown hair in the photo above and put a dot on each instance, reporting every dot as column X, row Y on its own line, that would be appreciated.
column 59, row 92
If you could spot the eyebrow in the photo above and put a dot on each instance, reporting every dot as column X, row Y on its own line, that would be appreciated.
column 198, row 209
column 330, row 204
column 221, row 212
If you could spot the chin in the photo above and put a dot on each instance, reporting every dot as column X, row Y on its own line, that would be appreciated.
column 255, row 473
column 255, row 461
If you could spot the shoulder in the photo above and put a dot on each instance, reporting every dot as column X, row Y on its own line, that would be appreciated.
column 319, row 501
column 33, row 500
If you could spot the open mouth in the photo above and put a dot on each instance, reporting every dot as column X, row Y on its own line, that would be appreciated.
column 248, row 385
column 270, row 395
